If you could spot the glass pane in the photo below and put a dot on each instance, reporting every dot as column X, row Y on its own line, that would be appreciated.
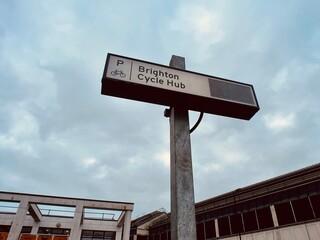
column 98, row 234
column 315, row 200
column 26, row 229
column 302, row 209
column 264, row 218
column 250, row 221
column 57, row 231
column 200, row 231
column 236, row 223
column 162, row 237
column 210, row 229
column 284, row 213
column 87, row 233
column 224, row 226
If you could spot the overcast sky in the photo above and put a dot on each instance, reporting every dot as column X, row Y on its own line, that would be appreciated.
column 60, row 136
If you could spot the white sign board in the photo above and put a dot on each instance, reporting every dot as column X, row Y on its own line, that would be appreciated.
column 169, row 86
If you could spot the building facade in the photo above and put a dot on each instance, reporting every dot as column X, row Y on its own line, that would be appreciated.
column 38, row 217
column 282, row 208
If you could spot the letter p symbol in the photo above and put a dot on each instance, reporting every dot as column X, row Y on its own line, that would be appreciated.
column 119, row 62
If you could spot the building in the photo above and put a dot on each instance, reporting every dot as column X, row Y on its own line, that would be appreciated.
column 140, row 226
column 282, row 208
column 31, row 217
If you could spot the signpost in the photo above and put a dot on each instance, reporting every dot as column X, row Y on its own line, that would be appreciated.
column 154, row 83
column 182, row 90
column 183, row 221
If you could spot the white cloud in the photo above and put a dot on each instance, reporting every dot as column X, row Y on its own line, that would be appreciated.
column 89, row 162
column 224, row 155
column 101, row 172
column 200, row 25
column 164, row 158
column 24, row 125
column 280, row 121
column 211, row 168
column 10, row 143
column 280, row 79
column 22, row 132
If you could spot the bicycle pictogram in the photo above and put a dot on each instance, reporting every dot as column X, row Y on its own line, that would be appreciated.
column 118, row 72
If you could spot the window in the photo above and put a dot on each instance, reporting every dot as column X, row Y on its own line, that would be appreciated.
column 284, row 213
column 163, row 236
column 302, row 209
column 264, row 218
column 224, row 226
column 250, row 221
column 4, row 228
column 200, row 231
column 210, row 229
column 26, row 229
column 54, row 231
column 315, row 201
column 97, row 235
column 140, row 237
column 236, row 223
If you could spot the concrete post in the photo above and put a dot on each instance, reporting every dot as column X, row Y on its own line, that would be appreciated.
column 119, row 233
column 17, row 224
column 126, row 225
column 77, row 221
column 35, row 228
column 183, row 223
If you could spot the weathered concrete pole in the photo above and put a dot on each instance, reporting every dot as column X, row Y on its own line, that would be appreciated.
column 183, row 222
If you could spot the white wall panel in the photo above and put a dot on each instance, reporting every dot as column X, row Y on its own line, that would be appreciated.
column 314, row 230
column 310, row 231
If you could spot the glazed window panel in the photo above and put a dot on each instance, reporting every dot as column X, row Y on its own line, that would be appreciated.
column 264, row 218
column 97, row 235
column 210, row 229
column 302, row 210
column 4, row 228
column 87, row 233
column 284, row 213
column 140, row 237
column 236, row 223
column 315, row 201
column 55, row 231
column 109, row 235
column 26, row 229
column 224, row 226
column 250, row 221
column 164, row 236
column 200, row 231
